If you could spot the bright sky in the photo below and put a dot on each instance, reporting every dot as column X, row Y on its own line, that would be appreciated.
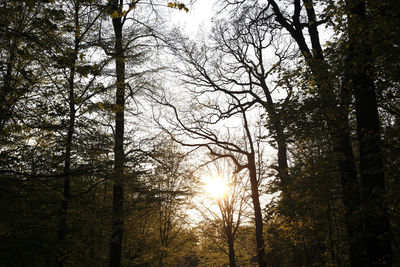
column 215, row 186
column 199, row 15
column 197, row 20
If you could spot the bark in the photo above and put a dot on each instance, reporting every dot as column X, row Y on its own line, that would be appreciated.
column 229, row 229
column 117, row 205
column 280, row 139
column 257, row 211
column 231, row 252
column 377, row 236
column 62, row 228
column 330, row 235
column 254, row 183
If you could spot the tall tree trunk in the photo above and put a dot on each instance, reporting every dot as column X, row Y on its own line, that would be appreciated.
column 257, row 211
column 62, row 227
column 118, row 196
column 281, row 143
column 280, row 138
column 337, row 122
column 377, row 228
column 349, row 184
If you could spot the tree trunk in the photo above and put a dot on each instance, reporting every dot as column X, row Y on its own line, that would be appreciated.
column 231, row 252
column 117, row 205
column 377, row 228
column 280, row 138
column 336, row 119
column 62, row 227
column 257, row 211
column 350, row 187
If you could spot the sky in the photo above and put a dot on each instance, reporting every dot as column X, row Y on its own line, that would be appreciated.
column 199, row 16
column 197, row 20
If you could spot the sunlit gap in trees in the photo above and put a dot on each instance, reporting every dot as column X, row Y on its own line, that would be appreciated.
column 215, row 186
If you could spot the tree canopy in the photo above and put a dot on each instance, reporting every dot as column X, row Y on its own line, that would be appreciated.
column 270, row 140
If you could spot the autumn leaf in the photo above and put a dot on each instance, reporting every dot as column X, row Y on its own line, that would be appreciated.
column 114, row 14
column 179, row 6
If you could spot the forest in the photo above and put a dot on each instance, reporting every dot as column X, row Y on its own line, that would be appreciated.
column 268, row 137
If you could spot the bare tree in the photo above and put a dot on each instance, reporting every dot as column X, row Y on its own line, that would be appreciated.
column 250, row 47
column 236, row 66
column 199, row 126
column 232, row 207
column 170, row 183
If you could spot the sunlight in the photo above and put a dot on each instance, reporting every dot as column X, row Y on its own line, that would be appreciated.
column 216, row 187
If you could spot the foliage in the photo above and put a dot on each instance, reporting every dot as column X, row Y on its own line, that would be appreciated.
column 266, row 92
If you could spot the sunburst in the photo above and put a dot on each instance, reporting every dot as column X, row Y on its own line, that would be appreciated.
column 216, row 187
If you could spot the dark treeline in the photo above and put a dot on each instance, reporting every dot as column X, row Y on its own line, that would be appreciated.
column 109, row 119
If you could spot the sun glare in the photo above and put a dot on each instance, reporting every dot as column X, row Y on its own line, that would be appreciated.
column 216, row 187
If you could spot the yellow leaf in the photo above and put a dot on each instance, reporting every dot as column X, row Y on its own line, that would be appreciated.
column 114, row 14
column 178, row 6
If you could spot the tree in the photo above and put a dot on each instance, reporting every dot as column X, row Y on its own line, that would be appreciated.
column 119, row 11
column 51, row 90
column 223, row 225
column 118, row 19
column 335, row 115
column 303, row 16
column 198, row 125
column 235, row 65
column 81, row 25
column 247, row 48
column 23, row 39
column 372, row 178
column 310, row 228
column 170, row 183
column 87, row 179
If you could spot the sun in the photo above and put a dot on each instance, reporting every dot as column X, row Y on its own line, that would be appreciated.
column 215, row 187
